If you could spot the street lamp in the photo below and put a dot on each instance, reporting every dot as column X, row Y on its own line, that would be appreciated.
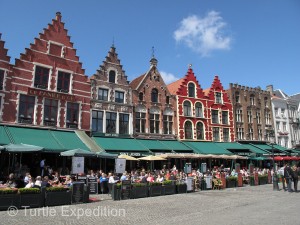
column 275, row 178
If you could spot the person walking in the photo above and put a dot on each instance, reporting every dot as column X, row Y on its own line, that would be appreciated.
column 295, row 177
column 281, row 173
column 288, row 176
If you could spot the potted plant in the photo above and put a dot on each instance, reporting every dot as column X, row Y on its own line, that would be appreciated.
column 57, row 196
column 9, row 197
column 231, row 181
column 181, row 187
column 252, row 182
column 116, row 191
column 155, row 189
column 31, row 197
column 168, row 187
column 139, row 190
column 263, row 179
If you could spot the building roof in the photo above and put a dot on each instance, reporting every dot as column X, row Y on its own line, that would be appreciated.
column 135, row 83
column 173, row 87
column 206, row 91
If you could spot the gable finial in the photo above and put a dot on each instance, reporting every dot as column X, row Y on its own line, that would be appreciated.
column 113, row 42
column 190, row 66
column 153, row 52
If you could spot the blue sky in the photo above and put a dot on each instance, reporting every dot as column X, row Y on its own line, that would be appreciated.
column 253, row 43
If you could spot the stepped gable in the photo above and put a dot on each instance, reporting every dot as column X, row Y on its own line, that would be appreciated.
column 217, row 86
column 4, row 58
column 55, row 42
column 111, row 62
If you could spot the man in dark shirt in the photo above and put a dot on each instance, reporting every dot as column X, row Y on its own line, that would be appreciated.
column 288, row 176
column 45, row 182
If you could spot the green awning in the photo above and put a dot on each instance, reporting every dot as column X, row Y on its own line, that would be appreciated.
column 4, row 138
column 120, row 144
column 254, row 149
column 206, row 148
column 34, row 136
column 154, row 145
column 231, row 146
column 68, row 139
column 267, row 148
column 278, row 147
column 22, row 148
column 259, row 158
column 106, row 155
column 176, row 146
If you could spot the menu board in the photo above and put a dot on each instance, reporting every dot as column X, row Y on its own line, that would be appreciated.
column 120, row 165
column 77, row 164
column 125, row 189
column 92, row 185
column 78, row 192
column 81, row 179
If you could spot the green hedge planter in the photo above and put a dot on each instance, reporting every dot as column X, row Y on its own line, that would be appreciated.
column 58, row 196
column 262, row 179
column 231, row 182
column 155, row 190
column 181, row 188
column 32, row 197
column 139, row 191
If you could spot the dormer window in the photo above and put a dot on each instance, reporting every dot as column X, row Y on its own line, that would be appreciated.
column 41, row 77
column 112, row 76
column 63, row 82
column 191, row 90
column 154, row 95
column 218, row 97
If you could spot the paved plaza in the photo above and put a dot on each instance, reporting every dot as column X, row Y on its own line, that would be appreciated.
column 248, row 205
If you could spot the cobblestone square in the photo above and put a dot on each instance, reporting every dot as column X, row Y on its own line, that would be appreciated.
column 248, row 205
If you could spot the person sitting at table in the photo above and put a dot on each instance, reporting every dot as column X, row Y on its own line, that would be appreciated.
column 67, row 181
column 124, row 176
column 103, row 178
column 30, row 183
column 159, row 178
column 112, row 179
column 38, row 181
column 150, row 178
column 45, row 182
column 11, row 182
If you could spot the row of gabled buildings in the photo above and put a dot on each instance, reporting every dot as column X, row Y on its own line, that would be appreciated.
column 47, row 87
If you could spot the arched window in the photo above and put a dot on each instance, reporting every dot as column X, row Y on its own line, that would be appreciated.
column 198, row 110
column 200, row 131
column 112, row 76
column 188, row 130
column 154, row 95
column 187, row 109
column 141, row 96
column 252, row 100
column 191, row 88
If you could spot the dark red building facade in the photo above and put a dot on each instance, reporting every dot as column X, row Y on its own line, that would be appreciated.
column 202, row 115
column 47, row 85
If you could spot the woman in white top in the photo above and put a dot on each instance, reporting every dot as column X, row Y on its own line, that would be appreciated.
column 159, row 178
column 30, row 183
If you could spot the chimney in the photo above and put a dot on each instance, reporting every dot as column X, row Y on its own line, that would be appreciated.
column 270, row 89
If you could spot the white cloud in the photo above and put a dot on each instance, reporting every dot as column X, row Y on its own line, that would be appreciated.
column 168, row 77
column 203, row 35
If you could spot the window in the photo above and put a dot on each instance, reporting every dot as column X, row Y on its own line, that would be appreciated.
column 72, row 115
column 200, row 131
column 1, row 79
column 252, row 100
column 198, row 110
column 191, row 89
column 226, row 135
column 284, row 127
column 268, row 117
column 215, row 116
column 239, row 115
column 103, row 94
column 237, row 97
column 97, row 121
column 249, row 116
column 283, row 113
column 111, row 119
column 276, row 112
column 218, row 97
column 154, row 123
column 119, row 97
column 188, row 130
column 278, row 126
column 250, row 134
column 258, row 118
column 240, row 133
column 216, row 134
column 26, row 109
column 123, row 123
column 50, row 112
column 187, row 111
column 224, row 117
column 260, row 136
column 141, row 96
column 63, row 82
column 55, row 49
column 140, row 121
column 266, row 102
column 41, row 77
column 167, row 99
column 154, row 95
column 168, row 124
column 112, row 76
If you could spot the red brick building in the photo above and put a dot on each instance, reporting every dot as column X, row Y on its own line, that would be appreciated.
column 5, row 78
column 48, row 85
column 204, row 115
column 192, row 114
column 154, row 111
